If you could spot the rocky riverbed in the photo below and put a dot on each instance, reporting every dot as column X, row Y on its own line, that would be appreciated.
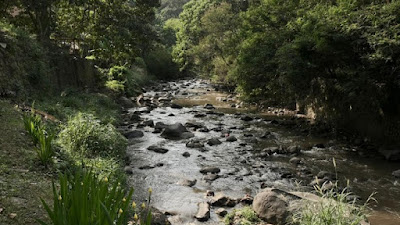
column 201, row 150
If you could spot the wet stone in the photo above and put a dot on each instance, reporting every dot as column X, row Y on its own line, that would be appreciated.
column 203, row 212
column 210, row 170
column 222, row 200
column 189, row 183
column 157, row 149
column 128, row 170
column 209, row 106
column 246, row 118
column 134, row 134
column 211, row 177
column 214, row 141
column 221, row 212
column 176, row 106
column 231, row 139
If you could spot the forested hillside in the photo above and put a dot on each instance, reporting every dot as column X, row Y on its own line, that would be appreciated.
column 340, row 58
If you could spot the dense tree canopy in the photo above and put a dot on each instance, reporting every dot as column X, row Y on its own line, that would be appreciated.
column 339, row 57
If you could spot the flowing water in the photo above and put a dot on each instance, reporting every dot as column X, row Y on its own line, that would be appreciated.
column 244, row 169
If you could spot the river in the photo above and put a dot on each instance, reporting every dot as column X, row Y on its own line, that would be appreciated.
column 245, row 168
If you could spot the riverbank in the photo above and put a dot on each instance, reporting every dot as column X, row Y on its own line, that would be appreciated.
column 23, row 179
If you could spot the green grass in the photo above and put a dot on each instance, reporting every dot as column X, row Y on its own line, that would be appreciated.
column 70, row 102
column 83, row 199
column 244, row 216
column 23, row 180
column 332, row 209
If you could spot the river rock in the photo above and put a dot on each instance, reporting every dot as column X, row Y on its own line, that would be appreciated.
column 247, row 200
column 134, row 134
column 135, row 118
column 246, row 118
column 157, row 149
column 210, row 177
column 203, row 212
column 231, row 139
column 194, row 125
column 271, row 207
column 199, row 115
column 160, row 125
column 158, row 218
column 194, row 144
column 396, row 173
column 147, row 123
column 128, row 170
column 176, row 131
column 221, row 212
column 209, row 106
column 294, row 149
column 189, row 183
column 210, row 169
column 214, row 141
column 295, row 160
column 223, row 201
column 176, row 106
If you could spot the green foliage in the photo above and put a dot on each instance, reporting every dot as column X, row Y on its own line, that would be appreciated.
column 160, row 64
column 85, row 135
column 244, row 216
column 333, row 208
column 83, row 199
column 41, row 139
column 23, row 62
column 70, row 102
column 33, row 125
column 338, row 57
column 116, row 86
column 45, row 151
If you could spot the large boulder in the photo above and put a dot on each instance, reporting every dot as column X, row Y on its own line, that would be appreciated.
column 176, row 131
column 271, row 207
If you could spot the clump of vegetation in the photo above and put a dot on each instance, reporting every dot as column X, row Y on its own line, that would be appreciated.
column 42, row 139
column 244, row 216
column 71, row 101
column 332, row 209
column 84, row 199
column 85, row 135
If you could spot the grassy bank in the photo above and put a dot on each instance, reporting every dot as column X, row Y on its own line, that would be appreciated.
column 23, row 179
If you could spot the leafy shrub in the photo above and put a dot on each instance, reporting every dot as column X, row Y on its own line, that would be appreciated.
column 116, row 86
column 83, row 199
column 84, row 134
